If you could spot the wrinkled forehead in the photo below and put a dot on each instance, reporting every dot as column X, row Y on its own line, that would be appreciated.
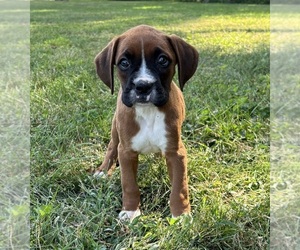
column 147, row 44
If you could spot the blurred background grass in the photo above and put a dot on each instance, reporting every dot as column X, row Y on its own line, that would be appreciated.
column 14, row 125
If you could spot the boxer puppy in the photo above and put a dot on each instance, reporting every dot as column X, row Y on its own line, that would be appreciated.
column 150, row 109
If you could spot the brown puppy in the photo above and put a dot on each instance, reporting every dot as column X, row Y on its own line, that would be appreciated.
column 150, row 109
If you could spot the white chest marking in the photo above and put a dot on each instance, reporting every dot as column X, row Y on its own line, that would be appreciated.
column 151, row 137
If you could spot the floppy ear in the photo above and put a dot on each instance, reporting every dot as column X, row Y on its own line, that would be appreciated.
column 187, row 59
column 105, row 61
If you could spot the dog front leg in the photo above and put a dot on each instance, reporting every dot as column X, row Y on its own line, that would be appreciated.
column 177, row 168
column 128, row 160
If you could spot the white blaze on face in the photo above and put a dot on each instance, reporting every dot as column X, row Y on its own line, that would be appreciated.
column 144, row 74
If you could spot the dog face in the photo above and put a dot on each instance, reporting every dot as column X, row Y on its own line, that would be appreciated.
column 145, row 59
column 145, row 71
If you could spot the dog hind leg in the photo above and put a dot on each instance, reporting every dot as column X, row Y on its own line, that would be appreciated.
column 111, row 155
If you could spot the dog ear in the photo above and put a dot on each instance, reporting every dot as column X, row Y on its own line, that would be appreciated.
column 105, row 61
column 187, row 59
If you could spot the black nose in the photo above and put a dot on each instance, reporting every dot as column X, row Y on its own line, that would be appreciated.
column 143, row 87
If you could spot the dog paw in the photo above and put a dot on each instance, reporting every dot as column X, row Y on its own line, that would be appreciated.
column 187, row 215
column 99, row 175
column 129, row 215
column 184, row 219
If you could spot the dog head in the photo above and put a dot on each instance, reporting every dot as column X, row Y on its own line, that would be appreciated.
column 145, row 59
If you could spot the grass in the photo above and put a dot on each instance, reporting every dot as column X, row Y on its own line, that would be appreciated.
column 226, row 130
column 14, row 125
column 285, row 127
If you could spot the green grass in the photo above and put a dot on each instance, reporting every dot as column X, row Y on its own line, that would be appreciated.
column 226, row 130
column 14, row 125
column 285, row 158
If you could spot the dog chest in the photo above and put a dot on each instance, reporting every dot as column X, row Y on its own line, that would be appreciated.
column 151, row 137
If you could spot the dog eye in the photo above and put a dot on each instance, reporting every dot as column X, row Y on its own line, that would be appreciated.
column 124, row 64
column 163, row 61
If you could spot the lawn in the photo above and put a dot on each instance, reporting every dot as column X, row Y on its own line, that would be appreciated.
column 226, row 131
column 285, row 146
column 14, row 124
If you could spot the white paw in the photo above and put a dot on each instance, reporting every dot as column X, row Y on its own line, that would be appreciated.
column 99, row 175
column 185, row 218
column 129, row 215
column 182, row 215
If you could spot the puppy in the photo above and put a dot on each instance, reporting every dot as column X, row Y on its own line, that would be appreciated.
column 150, row 109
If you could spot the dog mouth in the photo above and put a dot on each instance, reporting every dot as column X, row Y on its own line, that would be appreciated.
column 143, row 98
column 155, row 97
